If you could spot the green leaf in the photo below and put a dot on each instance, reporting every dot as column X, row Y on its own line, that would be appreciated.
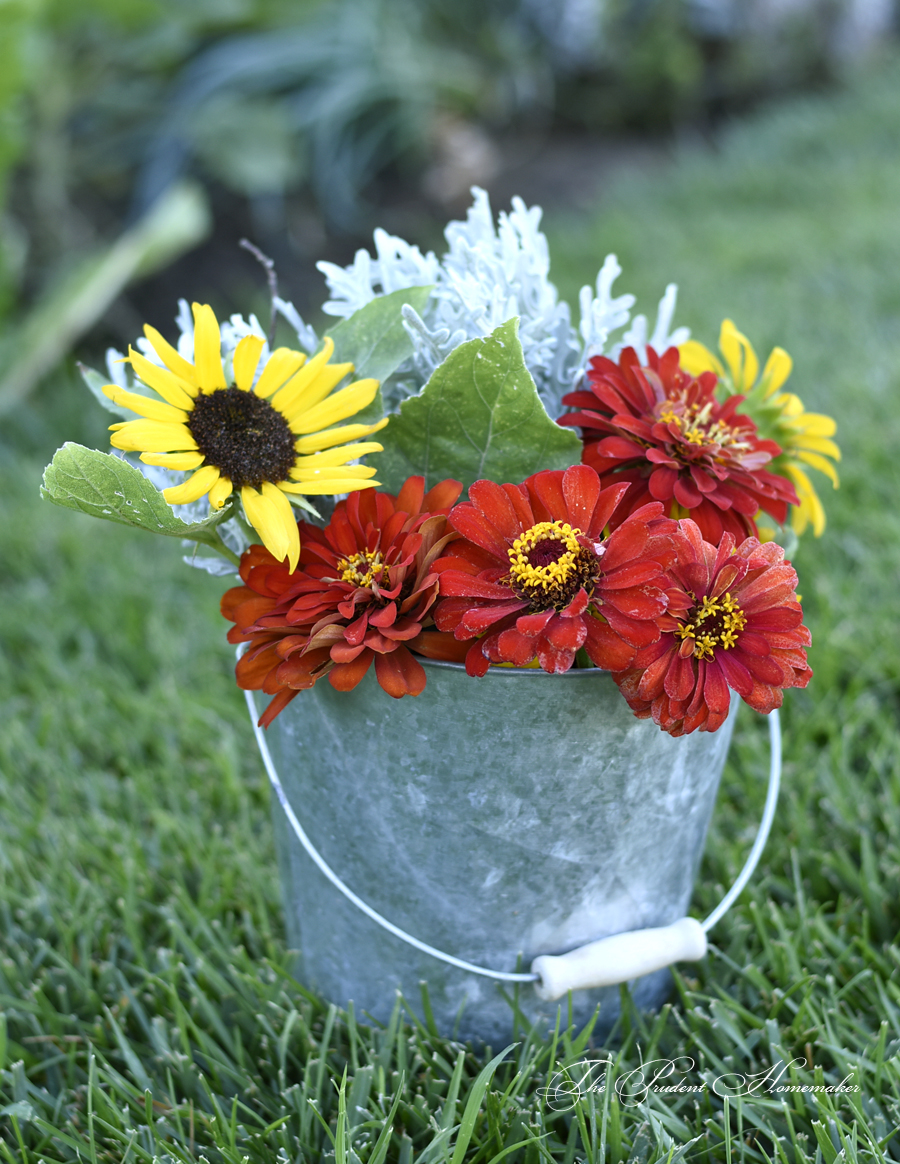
column 478, row 416
column 105, row 486
column 375, row 341
column 374, row 338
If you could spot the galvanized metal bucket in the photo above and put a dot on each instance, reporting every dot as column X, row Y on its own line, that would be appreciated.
column 496, row 819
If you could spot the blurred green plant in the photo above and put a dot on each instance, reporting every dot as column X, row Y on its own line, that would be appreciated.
column 329, row 102
column 14, row 16
column 111, row 103
column 78, row 296
column 78, row 88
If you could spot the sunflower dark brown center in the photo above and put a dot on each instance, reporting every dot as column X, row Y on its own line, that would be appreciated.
column 716, row 623
column 243, row 436
column 548, row 565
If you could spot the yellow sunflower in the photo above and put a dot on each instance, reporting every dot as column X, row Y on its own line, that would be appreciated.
column 779, row 416
column 264, row 441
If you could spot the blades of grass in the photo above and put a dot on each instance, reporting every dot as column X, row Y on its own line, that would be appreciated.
column 91, row 1085
column 383, row 1143
column 342, row 1128
column 358, row 1096
column 323, row 1055
column 430, row 1024
column 448, row 1111
column 504, row 1152
column 354, row 1038
column 473, row 1103
column 134, row 1064
column 436, row 1149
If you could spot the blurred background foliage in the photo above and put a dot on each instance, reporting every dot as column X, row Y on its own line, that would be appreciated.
column 302, row 122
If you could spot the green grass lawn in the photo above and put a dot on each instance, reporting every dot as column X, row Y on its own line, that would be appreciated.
column 148, row 1008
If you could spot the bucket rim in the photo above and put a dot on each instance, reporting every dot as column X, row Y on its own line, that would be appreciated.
column 499, row 670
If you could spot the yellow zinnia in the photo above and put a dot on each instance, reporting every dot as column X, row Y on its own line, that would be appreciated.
column 264, row 441
column 779, row 416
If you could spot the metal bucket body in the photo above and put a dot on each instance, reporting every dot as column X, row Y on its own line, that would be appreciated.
column 495, row 819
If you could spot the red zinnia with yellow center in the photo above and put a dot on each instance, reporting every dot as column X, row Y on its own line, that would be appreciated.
column 664, row 433
column 363, row 592
column 533, row 577
column 734, row 623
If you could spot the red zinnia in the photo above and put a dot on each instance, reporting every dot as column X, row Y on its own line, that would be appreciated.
column 363, row 590
column 665, row 433
column 734, row 622
column 533, row 574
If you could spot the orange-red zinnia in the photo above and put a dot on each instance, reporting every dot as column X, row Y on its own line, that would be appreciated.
column 363, row 593
column 734, row 623
column 664, row 433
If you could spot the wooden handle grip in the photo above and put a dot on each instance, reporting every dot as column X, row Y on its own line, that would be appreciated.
column 619, row 958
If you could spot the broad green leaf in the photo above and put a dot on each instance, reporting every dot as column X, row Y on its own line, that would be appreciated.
column 478, row 416
column 105, row 486
column 375, row 341
column 374, row 338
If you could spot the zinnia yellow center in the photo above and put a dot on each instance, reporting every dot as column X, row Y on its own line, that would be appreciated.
column 548, row 565
column 716, row 624
column 696, row 429
column 362, row 569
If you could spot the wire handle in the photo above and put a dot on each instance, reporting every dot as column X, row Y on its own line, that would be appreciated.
column 606, row 962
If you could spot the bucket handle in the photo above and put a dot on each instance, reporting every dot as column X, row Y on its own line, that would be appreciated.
column 607, row 962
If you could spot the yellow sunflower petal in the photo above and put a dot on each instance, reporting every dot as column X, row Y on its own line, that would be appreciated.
column 267, row 516
column 816, row 445
column 220, row 492
column 194, row 488
column 810, row 507
column 821, row 463
column 337, row 407
column 790, row 406
column 333, row 473
column 739, row 355
column 336, row 436
column 246, row 357
column 171, row 388
column 302, row 379
column 173, row 360
column 152, row 436
column 338, row 456
column 778, row 368
column 815, row 424
column 296, row 403
column 266, row 520
column 317, row 488
column 145, row 406
column 281, row 365
column 695, row 358
column 273, row 494
column 181, row 461
column 207, row 348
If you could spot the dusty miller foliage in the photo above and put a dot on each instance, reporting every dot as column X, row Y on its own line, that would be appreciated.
column 488, row 274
